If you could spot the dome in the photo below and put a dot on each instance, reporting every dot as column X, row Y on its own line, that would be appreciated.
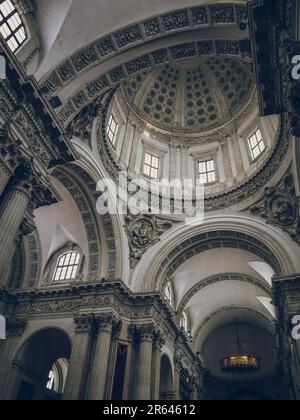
column 191, row 96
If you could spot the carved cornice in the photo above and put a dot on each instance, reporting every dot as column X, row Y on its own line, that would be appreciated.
column 28, row 181
column 230, row 15
column 28, row 113
column 105, row 306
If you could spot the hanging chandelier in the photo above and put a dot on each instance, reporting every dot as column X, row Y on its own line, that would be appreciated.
column 240, row 364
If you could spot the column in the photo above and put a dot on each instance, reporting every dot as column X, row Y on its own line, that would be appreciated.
column 8, row 374
column 9, row 158
column 146, row 333
column 133, row 343
column 158, row 343
column 178, row 367
column 78, row 367
column 12, row 211
column 98, row 380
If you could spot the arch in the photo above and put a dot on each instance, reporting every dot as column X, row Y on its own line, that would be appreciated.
column 170, row 29
column 166, row 391
column 35, row 359
column 233, row 231
column 226, row 315
column 102, row 254
column 215, row 279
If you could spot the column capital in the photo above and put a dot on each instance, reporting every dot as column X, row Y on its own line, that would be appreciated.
column 146, row 332
column 159, row 341
column 9, row 150
column 84, row 323
column 15, row 327
column 108, row 323
column 28, row 181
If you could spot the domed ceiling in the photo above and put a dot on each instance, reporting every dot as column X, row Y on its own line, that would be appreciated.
column 193, row 96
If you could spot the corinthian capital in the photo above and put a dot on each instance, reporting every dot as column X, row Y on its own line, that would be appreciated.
column 108, row 322
column 146, row 332
column 84, row 323
column 159, row 341
column 16, row 327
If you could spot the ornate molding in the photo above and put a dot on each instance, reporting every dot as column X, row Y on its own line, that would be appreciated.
column 143, row 232
column 212, row 240
column 84, row 323
column 16, row 326
column 188, row 19
column 280, row 207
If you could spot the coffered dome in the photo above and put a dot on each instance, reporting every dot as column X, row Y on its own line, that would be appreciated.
column 193, row 96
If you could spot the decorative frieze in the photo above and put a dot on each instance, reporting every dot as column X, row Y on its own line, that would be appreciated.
column 155, row 28
column 144, row 63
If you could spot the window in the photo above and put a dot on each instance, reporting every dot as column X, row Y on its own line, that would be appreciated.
column 184, row 322
column 207, row 172
column 11, row 26
column 112, row 129
column 151, row 167
column 67, row 266
column 256, row 144
column 168, row 293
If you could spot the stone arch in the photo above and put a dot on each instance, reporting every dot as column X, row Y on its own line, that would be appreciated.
column 227, row 231
column 34, row 360
column 100, row 230
column 220, row 278
column 200, row 337
column 165, row 29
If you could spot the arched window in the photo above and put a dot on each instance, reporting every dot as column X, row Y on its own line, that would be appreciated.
column 256, row 144
column 11, row 25
column 184, row 322
column 67, row 266
column 168, row 293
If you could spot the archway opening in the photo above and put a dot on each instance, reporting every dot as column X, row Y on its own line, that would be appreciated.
column 42, row 366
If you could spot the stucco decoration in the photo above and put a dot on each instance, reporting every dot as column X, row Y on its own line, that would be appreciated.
column 280, row 207
column 196, row 95
column 143, row 232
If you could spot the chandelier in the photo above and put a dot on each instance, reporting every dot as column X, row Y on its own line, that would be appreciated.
column 240, row 364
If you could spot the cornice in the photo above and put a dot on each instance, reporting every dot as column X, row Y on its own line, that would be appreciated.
column 23, row 97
